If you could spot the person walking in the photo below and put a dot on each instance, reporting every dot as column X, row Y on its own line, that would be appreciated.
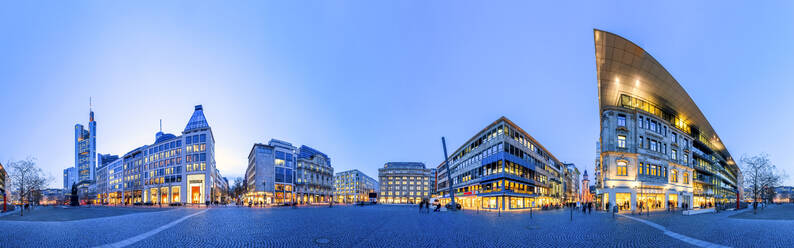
column 421, row 204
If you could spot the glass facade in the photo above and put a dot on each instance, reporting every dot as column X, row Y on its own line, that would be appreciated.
column 502, row 167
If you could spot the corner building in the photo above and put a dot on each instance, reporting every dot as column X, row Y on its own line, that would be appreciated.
column 657, row 148
column 271, row 173
column 314, row 177
column 353, row 186
column 502, row 168
column 174, row 169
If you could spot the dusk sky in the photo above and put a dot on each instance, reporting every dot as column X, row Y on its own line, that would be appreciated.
column 368, row 82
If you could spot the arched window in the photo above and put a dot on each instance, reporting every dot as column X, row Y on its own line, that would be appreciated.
column 622, row 168
column 674, row 176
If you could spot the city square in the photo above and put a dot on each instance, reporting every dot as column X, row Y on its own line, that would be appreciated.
column 355, row 123
column 396, row 226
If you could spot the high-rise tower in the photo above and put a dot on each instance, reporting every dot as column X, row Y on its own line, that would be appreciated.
column 85, row 153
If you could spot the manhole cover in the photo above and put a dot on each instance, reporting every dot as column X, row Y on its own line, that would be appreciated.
column 322, row 241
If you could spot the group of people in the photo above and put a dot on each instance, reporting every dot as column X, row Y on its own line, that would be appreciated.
column 425, row 204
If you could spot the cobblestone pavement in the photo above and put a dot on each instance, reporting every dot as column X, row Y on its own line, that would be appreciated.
column 722, row 229
column 67, row 214
column 389, row 226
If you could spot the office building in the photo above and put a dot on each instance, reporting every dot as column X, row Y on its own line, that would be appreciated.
column 271, row 173
column 405, row 183
column 314, row 179
column 571, row 183
column 85, row 154
column 353, row 186
column 173, row 169
column 656, row 148
column 503, row 168
column 69, row 178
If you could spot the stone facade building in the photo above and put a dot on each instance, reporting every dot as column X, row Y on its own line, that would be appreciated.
column 405, row 183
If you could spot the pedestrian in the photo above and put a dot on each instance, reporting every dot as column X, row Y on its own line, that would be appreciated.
column 421, row 204
column 589, row 208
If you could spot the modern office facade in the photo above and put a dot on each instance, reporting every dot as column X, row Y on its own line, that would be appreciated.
column 115, row 182
column 656, row 147
column 353, row 186
column 271, row 173
column 173, row 169
column 404, row 183
column 101, row 185
column 571, row 183
column 69, row 178
column 314, row 179
column 85, row 154
column 502, row 168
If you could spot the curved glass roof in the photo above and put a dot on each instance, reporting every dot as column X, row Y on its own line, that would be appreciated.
column 626, row 69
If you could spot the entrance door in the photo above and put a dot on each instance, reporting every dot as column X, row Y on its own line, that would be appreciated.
column 196, row 194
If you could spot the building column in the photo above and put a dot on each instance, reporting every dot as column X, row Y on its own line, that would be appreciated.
column 666, row 201
column 612, row 200
column 634, row 200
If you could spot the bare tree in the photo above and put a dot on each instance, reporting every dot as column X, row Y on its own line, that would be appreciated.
column 26, row 179
column 238, row 188
column 761, row 176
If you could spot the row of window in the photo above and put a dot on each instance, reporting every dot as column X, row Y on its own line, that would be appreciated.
column 195, row 139
column 406, row 193
column 650, row 170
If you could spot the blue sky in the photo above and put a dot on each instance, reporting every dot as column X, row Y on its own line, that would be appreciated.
column 368, row 82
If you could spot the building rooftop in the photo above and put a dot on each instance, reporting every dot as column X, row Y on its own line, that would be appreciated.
column 413, row 165
column 197, row 121
column 624, row 68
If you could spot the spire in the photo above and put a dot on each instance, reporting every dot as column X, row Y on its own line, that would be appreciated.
column 90, row 109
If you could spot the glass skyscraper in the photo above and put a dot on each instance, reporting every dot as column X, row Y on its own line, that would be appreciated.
column 85, row 154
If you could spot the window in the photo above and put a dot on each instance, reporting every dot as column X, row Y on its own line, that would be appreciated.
column 686, row 177
column 622, row 168
column 653, row 145
column 621, row 120
column 622, row 141
column 640, row 144
column 639, row 169
column 673, row 154
column 642, row 123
